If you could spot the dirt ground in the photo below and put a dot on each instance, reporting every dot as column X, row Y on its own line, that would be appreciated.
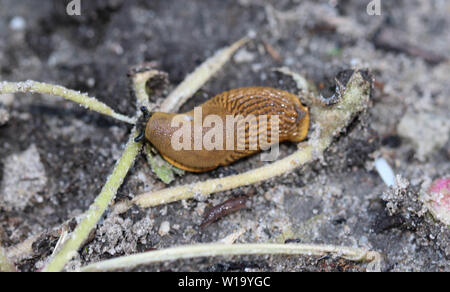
column 57, row 155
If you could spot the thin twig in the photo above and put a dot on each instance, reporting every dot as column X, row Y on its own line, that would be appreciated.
column 5, row 264
column 203, row 189
column 200, row 76
column 22, row 250
column 214, row 250
column 75, row 96
column 139, row 86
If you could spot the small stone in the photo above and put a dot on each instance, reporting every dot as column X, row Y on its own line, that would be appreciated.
column 256, row 67
column 17, row 23
column 7, row 99
column 90, row 82
column 244, row 56
column 164, row 228
column 23, row 178
column 276, row 195
column 428, row 131
column 252, row 33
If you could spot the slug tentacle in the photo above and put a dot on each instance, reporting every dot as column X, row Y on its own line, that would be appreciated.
column 142, row 124
column 140, row 137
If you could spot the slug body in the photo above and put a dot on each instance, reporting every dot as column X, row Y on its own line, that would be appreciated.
column 258, row 102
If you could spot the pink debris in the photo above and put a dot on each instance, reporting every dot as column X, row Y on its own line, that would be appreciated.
column 439, row 199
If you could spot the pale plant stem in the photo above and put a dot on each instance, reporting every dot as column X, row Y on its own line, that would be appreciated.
column 215, row 249
column 5, row 264
column 139, row 85
column 202, row 189
column 82, row 99
column 23, row 249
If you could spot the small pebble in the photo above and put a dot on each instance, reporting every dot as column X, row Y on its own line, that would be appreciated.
column 428, row 131
column 164, row 228
column 7, row 99
column 17, row 23
column 244, row 56
column 23, row 178
column 252, row 34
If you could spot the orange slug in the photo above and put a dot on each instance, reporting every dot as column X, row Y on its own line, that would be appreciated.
column 259, row 102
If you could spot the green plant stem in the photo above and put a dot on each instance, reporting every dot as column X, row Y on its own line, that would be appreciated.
column 5, row 264
column 96, row 210
column 82, row 99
